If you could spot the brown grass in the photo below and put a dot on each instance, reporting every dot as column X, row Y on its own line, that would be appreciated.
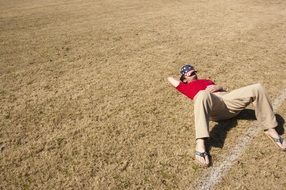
column 84, row 98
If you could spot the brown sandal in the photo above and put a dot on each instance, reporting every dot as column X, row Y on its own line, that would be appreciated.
column 276, row 140
column 203, row 155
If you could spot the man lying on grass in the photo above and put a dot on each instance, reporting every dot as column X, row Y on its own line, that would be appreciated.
column 212, row 102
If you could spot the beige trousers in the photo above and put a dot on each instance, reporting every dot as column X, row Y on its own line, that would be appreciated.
column 222, row 105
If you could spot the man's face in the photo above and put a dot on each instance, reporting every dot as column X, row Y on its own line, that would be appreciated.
column 190, row 76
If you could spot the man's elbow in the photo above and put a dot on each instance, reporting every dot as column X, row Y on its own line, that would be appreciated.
column 173, row 81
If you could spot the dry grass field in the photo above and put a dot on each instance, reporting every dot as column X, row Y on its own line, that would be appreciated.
column 85, row 103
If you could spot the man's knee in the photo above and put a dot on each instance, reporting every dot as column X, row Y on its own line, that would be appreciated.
column 259, row 87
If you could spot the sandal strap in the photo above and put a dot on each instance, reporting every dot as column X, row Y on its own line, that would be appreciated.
column 201, row 154
column 279, row 139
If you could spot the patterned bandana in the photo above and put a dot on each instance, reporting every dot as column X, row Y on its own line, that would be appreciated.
column 186, row 68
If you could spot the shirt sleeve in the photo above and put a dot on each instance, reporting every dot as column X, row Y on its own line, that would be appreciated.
column 184, row 89
column 211, row 82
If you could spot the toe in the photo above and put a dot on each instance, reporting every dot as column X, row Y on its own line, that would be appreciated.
column 207, row 161
column 283, row 145
column 201, row 160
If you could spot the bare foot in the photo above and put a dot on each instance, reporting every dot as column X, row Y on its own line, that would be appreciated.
column 201, row 156
column 278, row 140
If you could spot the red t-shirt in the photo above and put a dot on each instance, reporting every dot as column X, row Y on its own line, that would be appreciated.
column 192, row 88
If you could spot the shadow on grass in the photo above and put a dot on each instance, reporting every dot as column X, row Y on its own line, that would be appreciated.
column 219, row 131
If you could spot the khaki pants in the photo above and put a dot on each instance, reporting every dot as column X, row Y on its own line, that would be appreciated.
column 223, row 105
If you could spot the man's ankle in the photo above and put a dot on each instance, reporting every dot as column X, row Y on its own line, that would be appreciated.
column 200, row 144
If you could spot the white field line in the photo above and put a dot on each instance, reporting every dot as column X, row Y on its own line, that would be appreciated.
column 215, row 173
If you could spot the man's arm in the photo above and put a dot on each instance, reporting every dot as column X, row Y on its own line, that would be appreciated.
column 214, row 88
column 173, row 81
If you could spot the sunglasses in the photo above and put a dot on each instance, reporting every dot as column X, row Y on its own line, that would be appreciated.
column 193, row 73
